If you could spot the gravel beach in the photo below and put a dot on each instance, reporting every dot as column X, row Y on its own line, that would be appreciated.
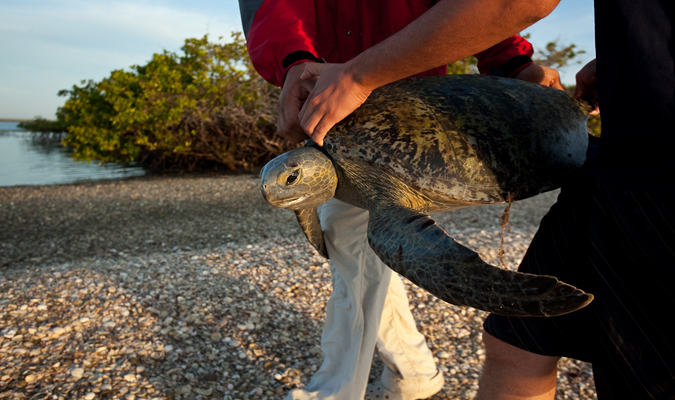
column 192, row 287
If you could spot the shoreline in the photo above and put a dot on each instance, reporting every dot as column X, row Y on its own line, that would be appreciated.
column 177, row 287
column 14, row 120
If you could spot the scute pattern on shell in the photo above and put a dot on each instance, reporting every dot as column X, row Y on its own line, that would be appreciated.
column 440, row 147
column 436, row 144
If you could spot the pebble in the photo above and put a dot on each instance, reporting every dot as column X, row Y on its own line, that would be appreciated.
column 186, row 390
column 77, row 373
column 109, row 325
column 56, row 332
column 443, row 354
column 147, row 322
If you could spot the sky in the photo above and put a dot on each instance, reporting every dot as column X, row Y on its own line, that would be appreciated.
column 49, row 45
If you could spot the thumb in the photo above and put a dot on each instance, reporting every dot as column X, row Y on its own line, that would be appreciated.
column 312, row 70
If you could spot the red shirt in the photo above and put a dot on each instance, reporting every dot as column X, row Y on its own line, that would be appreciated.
column 282, row 33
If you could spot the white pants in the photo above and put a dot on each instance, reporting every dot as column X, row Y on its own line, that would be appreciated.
column 367, row 311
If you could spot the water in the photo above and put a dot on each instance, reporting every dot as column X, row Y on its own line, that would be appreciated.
column 26, row 162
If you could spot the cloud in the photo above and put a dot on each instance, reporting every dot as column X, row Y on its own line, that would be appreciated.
column 119, row 24
column 49, row 45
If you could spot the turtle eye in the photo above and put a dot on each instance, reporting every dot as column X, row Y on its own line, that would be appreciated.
column 293, row 177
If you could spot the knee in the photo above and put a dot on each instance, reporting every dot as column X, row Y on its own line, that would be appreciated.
column 501, row 355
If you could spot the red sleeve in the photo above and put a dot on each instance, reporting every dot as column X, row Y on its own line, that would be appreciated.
column 506, row 58
column 279, row 28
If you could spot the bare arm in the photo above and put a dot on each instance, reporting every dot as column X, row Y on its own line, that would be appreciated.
column 451, row 30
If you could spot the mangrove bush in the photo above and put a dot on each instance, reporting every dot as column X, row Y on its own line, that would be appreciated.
column 206, row 106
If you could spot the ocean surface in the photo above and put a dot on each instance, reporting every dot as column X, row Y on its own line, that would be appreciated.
column 24, row 161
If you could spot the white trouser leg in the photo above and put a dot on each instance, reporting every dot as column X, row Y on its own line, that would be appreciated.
column 409, row 364
column 354, row 311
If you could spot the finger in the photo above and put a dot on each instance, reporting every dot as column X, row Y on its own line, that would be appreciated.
column 293, row 136
column 308, row 84
column 288, row 131
column 311, row 118
column 312, row 70
column 294, row 125
column 321, row 131
column 305, row 108
column 291, row 116
column 310, row 121
column 281, row 121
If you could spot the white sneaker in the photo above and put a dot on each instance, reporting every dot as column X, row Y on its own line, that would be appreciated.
column 408, row 389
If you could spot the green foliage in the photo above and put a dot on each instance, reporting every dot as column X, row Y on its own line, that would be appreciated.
column 203, row 107
column 42, row 125
column 44, row 130
column 594, row 121
column 466, row 65
column 594, row 125
column 554, row 55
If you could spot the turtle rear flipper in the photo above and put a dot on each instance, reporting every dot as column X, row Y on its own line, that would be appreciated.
column 311, row 227
column 413, row 245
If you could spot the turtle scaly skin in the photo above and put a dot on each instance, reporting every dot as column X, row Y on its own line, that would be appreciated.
column 436, row 144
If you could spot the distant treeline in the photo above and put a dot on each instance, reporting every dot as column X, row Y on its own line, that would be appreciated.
column 13, row 120
column 45, row 130
column 202, row 108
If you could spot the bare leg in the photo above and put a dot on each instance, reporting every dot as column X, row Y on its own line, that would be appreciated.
column 511, row 373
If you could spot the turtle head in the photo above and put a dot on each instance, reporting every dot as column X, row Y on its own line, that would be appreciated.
column 299, row 179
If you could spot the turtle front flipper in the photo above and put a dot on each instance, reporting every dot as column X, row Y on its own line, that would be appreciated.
column 311, row 227
column 411, row 244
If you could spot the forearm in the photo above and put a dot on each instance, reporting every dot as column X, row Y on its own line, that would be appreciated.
column 451, row 30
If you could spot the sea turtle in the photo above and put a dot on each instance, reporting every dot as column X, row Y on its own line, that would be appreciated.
column 425, row 145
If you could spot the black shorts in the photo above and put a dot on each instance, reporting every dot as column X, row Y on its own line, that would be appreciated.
column 619, row 245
